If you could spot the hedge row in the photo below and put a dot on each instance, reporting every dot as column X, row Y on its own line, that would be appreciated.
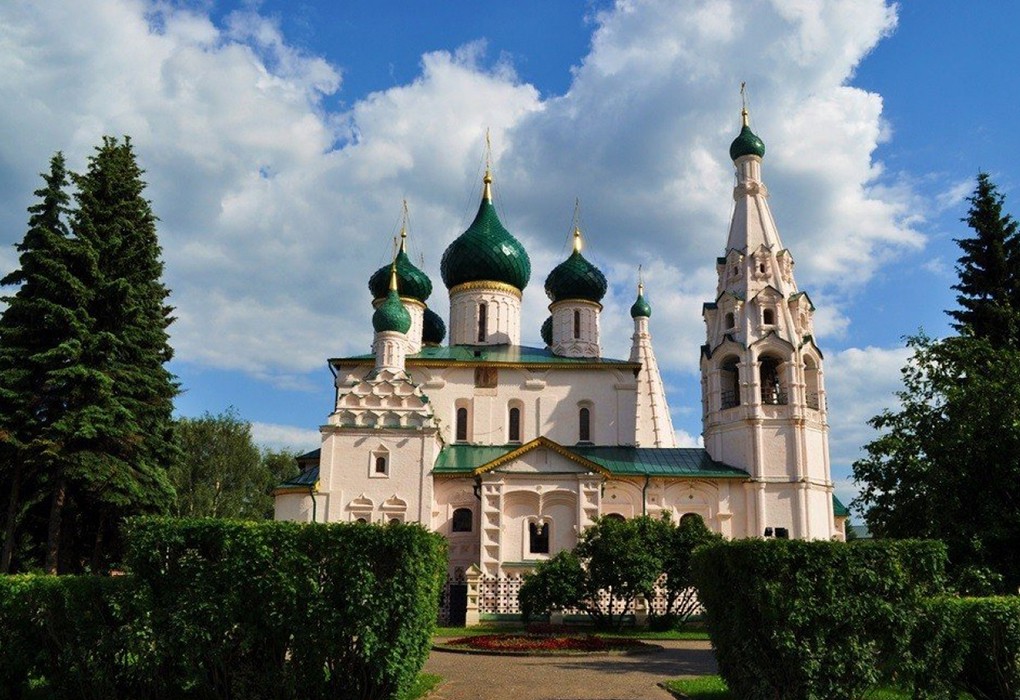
column 967, row 644
column 795, row 620
column 220, row 609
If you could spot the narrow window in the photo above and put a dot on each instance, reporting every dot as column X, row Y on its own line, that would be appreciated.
column 462, row 431
column 538, row 538
column 577, row 325
column 515, row 424
column 482, row 318
column 761, row 268
column 380, row 465
column 769, row 317
column 730, row 321
column 462, row 518
column 729, row 381
column 771, row 391
column 584, row 425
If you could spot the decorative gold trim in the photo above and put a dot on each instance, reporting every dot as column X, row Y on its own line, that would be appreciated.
column 431, row 362
column 283, row 491
column 545, row 442
column 486, row 285
column 406, row 300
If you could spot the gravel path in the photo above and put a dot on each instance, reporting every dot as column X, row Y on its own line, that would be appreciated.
column 592, row 677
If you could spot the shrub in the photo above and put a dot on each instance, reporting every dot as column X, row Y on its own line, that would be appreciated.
column 69, row 629
column 804, row 620
column 678, row 549
column 280, row 610
column 968, row 644
column 556, row 584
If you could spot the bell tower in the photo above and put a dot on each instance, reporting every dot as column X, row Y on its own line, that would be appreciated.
column 763, row 395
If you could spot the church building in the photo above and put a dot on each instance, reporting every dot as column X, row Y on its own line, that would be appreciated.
column 510, row 451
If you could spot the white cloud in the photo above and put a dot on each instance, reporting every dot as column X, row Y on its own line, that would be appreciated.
column 285, row 437
column 276, row 210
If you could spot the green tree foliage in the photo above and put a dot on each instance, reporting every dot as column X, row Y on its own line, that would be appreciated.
column 221, row 473
column 614, row 562
column 86, row 429
column 946, row 464
column 989, row 270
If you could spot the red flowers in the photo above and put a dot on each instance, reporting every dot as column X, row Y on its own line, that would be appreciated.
column 539, row 643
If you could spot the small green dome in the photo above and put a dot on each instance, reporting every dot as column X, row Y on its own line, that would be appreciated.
column 391, row 315
column 433, row 330
column 413, row 283
column 486, row 251
column 747, row 144
column 576, row 278
column 547, row 331
column 640, row 307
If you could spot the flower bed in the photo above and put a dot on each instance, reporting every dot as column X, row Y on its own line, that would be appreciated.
column 542, row 643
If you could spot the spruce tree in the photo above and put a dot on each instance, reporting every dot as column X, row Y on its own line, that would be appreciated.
column 124, row 471
column 989, row 270
column 43, row 333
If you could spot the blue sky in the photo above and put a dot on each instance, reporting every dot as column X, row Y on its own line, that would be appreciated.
column 280, row 138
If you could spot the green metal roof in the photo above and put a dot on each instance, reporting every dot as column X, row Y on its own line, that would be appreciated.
column 391, row 315
column 306, row 479
column 838, row 509
column 433, row 329
column 640, row 307
column 676, row 462
column 411, row 281
column 492, row 355
column 486, row 252
column 747, row 143
column 576, row 278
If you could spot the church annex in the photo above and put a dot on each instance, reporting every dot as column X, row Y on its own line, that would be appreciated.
column 509, row 451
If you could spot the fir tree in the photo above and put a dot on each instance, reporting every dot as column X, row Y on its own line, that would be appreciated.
column 989, row 270
column 124, row 470
column 43, row 333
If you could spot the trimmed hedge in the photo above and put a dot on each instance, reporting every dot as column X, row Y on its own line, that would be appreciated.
column 795, row 620
column 967, row 644
column 223, row 609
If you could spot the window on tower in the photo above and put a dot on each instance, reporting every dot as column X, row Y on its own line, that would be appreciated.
column 768, row 317
column 772, row 392
column 730, row 321
column 729, row 383
column 462, row 424
column 482, row 322
column 577, row 324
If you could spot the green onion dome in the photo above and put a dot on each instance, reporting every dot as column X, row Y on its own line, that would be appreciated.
column 576, row 278
column 640, row 307
column 547, row 331
column 486, row 251
column 433, row 330
column 747, row 143
column 414, row 283
column 391, row 314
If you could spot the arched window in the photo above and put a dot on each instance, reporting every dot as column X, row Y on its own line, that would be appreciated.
column 515, row 424
column 771, row 389
column 394, row 521
column 482, row 322
column 538, row 538
column 729, row 381
column 584, row 424
column 462, row 425
column 380, row 464
column 730, row 321
column 577, row 324
column 692, row 518
column 768, row 317
column 614, row 516
column 462, row 520
column 362, row 521
column 812, row 385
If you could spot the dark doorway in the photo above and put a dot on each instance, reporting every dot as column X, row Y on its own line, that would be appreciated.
column 458, row 604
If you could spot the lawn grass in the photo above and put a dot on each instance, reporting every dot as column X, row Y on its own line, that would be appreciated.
column 714, row 688
column 423, row 685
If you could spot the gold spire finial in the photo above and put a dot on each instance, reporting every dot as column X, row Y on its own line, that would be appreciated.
column 577, row 225
column 640, row 282
column 743, row 103
column 403, row 230
column 487, row 191
column 393, row 276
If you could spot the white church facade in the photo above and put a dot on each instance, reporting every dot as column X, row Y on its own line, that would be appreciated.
column 510, row 451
